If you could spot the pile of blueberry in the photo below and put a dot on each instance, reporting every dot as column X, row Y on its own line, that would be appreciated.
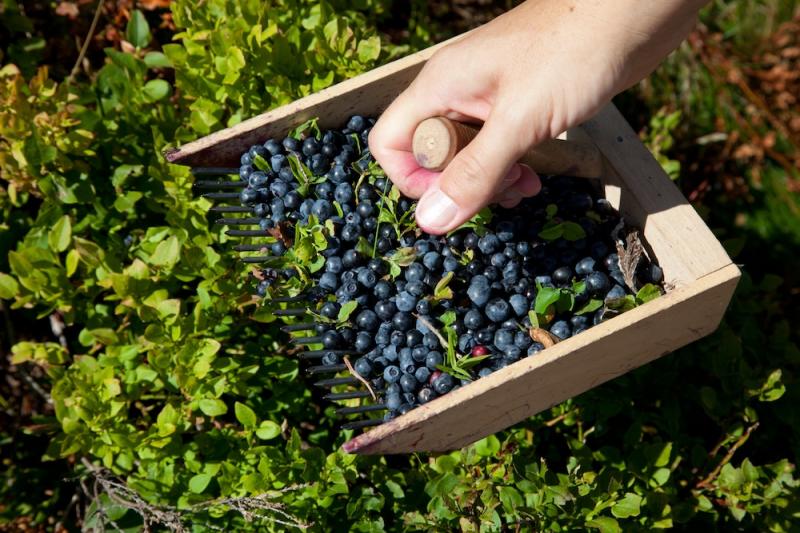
column 430, row 313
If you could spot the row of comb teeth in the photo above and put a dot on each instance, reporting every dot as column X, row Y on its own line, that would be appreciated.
column 217, row 191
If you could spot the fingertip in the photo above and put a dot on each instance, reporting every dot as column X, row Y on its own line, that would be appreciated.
column 529, row 184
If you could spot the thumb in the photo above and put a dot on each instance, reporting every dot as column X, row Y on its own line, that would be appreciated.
column 473, row 178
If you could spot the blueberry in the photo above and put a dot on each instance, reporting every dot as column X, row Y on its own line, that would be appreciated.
column 246, row 159
column 248, row 196
column 402, row 321
column 491, row 273
column 485, row 336
column 512, row 353
column 328, row 281
column 617, row 276
column 291, row 144
column 423, row 307
column 415, row 272
column 351, row 258
column 473, row 319
column 278, row 248
column 245, row 171
column 367, row 320
column 615, row 293
column 497, row 310
column 330, row 358
column 655, row 274
column 425, row 395
column 598, row 250
column 522, row 340
column 382, row 290
column 406, row 302
column 432, row 260
column 489, row 244
column 311, row 146
column 465, row 343
column 322, row 209
column 422, row 374
column 535, row 348
column 408, row 383
column 329, row 310
column 519, row 304
column 443, row 384
column 392, row 400
column 365, row 208
column 483, row 372
column 597, row 283
column 611, row 262
column 585, row 266
column 503, row 338
column 319, row 164
column 357, row 123
column 479, row 290
column 334, row 265
column 413, row 338
column 433, row 359
column 471, row 241
column 364, row 342
column 579, row 321
column 363, row 367
column 562, row 275
column 561, row 329
column 391, row 374
column 277, row 162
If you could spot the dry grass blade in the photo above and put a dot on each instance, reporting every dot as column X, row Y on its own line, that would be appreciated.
column 543, row 337
column 629, row 257
column 359, row 378
column 435, row 331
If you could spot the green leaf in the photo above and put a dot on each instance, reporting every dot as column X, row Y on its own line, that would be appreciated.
column 551, row 231
column 442, row 291
column 627, row 506
column 261, row 163
column 268, row 430
column 155, row 90
column 346, row 310
column 156, row 60
column 572, row 231
column 167, row 252
column 199, row 482
column 511, row 499
column 605, row 524
column 8, row 286
column 245, row 415
column 212, row 407
column 369, row 49
column 487, row 446
column 648, row 292
column 60, row 235
column 545, row 297
column 589, row 307
column 138, row 31
column 623, row 304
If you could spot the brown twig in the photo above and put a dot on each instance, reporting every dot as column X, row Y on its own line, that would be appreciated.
column 706, row 482
column 86, row 42
column 360, row 378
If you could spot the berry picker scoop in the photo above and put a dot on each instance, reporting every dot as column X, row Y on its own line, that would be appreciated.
column 698, row 276
column 437, row 140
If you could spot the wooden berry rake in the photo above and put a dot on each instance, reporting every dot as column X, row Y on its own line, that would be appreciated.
column 698, row 273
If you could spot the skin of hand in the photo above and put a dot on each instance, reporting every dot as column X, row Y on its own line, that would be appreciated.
column 528, row 75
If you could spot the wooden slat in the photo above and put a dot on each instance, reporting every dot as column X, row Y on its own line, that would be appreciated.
column 368, row 94
column 685, row 247
column 565, row 370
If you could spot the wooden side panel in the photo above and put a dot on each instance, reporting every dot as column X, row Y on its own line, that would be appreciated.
column 685, row 247
column 571, row 367
column 367, row 94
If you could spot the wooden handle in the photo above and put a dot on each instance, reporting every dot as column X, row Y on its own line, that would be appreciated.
column 437, row 140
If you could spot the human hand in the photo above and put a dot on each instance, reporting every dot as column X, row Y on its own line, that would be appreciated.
column 528, row 75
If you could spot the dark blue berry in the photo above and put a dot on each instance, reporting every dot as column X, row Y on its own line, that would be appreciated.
column 497, row 310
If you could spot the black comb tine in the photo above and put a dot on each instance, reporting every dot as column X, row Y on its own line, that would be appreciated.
column 307, row 340
column 305, row 326
column 214, row 171
column 310, row 354
column 325, row 369
column 246, row 233
column 259, row 258
column 250, row 247
column 332, row 382
column 332, row 397
column 360, row 409
column 220, row 195
column 230, row 209
column 214, row 184
column 291, row 299
column 358, row 424
column 249, row 221
column 290, row 312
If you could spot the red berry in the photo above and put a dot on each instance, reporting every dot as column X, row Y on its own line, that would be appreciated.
column 434, row 376
column 479, row 350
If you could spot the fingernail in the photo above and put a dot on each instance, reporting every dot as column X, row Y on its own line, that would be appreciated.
column 436, row 210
